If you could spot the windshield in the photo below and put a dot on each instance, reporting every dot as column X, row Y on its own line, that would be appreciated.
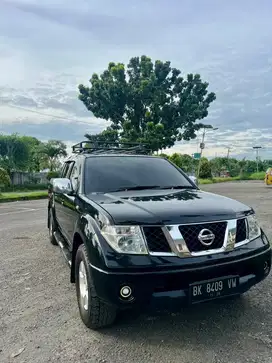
column 113, row 173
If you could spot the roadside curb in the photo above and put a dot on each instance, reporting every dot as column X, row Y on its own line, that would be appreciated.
column 26, row 197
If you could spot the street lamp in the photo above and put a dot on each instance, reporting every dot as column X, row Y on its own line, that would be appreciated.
column 257, row 155
column 202, row 144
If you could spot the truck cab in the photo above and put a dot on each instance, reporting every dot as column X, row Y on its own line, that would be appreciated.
column 136, row 231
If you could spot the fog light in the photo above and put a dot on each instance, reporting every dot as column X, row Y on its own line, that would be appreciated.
column 125, row 292
column 266, row 268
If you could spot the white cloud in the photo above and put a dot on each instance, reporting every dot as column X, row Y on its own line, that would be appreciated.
column 48, row 48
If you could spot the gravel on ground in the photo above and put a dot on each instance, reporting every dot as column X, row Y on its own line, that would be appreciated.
column 39, row 319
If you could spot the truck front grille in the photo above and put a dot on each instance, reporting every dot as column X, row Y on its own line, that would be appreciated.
column 187, row 240
column 190, row 234
column 156, row 240
column 241, row 230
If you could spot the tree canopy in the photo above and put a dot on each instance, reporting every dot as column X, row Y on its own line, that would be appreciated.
column 52, row 151
column 14, row 153
column 27, row 153
column 147, row 102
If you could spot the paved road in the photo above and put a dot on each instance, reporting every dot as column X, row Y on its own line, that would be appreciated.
column 38, row 308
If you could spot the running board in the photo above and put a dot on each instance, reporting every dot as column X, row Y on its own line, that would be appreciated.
column 63, row 247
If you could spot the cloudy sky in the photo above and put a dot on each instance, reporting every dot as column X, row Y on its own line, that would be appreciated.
column 48, row 47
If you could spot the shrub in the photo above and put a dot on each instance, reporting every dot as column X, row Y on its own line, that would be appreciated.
column 4, row 178
column 258, row 176
column 205, row 171
column 52, row 174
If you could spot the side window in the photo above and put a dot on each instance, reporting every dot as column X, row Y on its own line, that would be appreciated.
column 70, row 167
column 64, row 170
column 75, row 175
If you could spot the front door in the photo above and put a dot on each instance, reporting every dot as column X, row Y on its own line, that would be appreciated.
column 60, row 197
column 69, row 210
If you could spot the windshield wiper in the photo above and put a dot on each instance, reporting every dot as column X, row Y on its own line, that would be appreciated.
column 146, row 187
column 178, row 187
column 137, row 187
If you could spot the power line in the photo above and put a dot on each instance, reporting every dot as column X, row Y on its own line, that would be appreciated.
column 48, row 114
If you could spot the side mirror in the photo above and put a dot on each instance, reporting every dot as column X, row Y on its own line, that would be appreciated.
column 193, row 179
column 62, row 186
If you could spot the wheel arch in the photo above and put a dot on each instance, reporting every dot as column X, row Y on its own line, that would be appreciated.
column 78, row 240
column 86, row 233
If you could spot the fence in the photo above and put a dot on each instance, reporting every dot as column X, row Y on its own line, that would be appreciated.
column 21, row 178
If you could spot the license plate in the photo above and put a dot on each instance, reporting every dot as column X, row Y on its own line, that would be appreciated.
column 213, row 289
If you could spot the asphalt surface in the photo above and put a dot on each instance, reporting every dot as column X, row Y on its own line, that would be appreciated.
column 39, row 319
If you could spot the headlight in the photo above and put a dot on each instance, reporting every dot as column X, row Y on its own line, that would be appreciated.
column 254, row 230
column 125, row 239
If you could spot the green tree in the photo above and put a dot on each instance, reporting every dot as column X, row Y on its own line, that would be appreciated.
column 267, row 164
column 183, row 161
column 251, row 166
column 51, row 152
column 217, row 165
column 220, row 164
column 147, row 102
column 36, row 163
column 205, row 171
column 162, row 155
column 14, row 153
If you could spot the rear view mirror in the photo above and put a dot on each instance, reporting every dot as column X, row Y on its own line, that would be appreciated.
column 62, row 185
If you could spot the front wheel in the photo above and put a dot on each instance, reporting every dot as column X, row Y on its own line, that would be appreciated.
column 94, row 312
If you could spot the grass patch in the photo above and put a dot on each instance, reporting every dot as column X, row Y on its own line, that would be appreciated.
column 254, row 176
column 257, row 176
column 217, row 180
column 16, row 196
column 24, row 188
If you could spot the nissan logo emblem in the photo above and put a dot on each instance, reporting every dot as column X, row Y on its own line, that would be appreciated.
column 206, row 237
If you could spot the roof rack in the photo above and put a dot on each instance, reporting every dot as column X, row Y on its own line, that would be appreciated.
column 107, row 147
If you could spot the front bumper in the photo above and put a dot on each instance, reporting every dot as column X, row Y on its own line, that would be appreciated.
column 168, row 287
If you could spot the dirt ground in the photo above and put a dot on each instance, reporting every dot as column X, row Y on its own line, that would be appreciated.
column 39, row 319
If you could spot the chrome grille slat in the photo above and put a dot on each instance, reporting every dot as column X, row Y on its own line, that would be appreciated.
column 171, row 240
column 191, row 232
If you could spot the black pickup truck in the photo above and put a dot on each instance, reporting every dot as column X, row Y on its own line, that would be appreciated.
column 137, row 231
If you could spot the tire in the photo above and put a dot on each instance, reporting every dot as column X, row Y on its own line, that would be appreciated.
column 94, row 312
column 52, row 228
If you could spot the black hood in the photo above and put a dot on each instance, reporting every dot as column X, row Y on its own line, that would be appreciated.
column 168, row 207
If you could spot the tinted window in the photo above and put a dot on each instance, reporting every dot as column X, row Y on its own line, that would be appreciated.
column 75, row 175
column 109, row 173
column 67, row 169
column 64, row 170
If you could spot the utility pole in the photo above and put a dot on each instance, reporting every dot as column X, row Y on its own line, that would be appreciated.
column 202, row 144
column 228, row 152
column 257, row 155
